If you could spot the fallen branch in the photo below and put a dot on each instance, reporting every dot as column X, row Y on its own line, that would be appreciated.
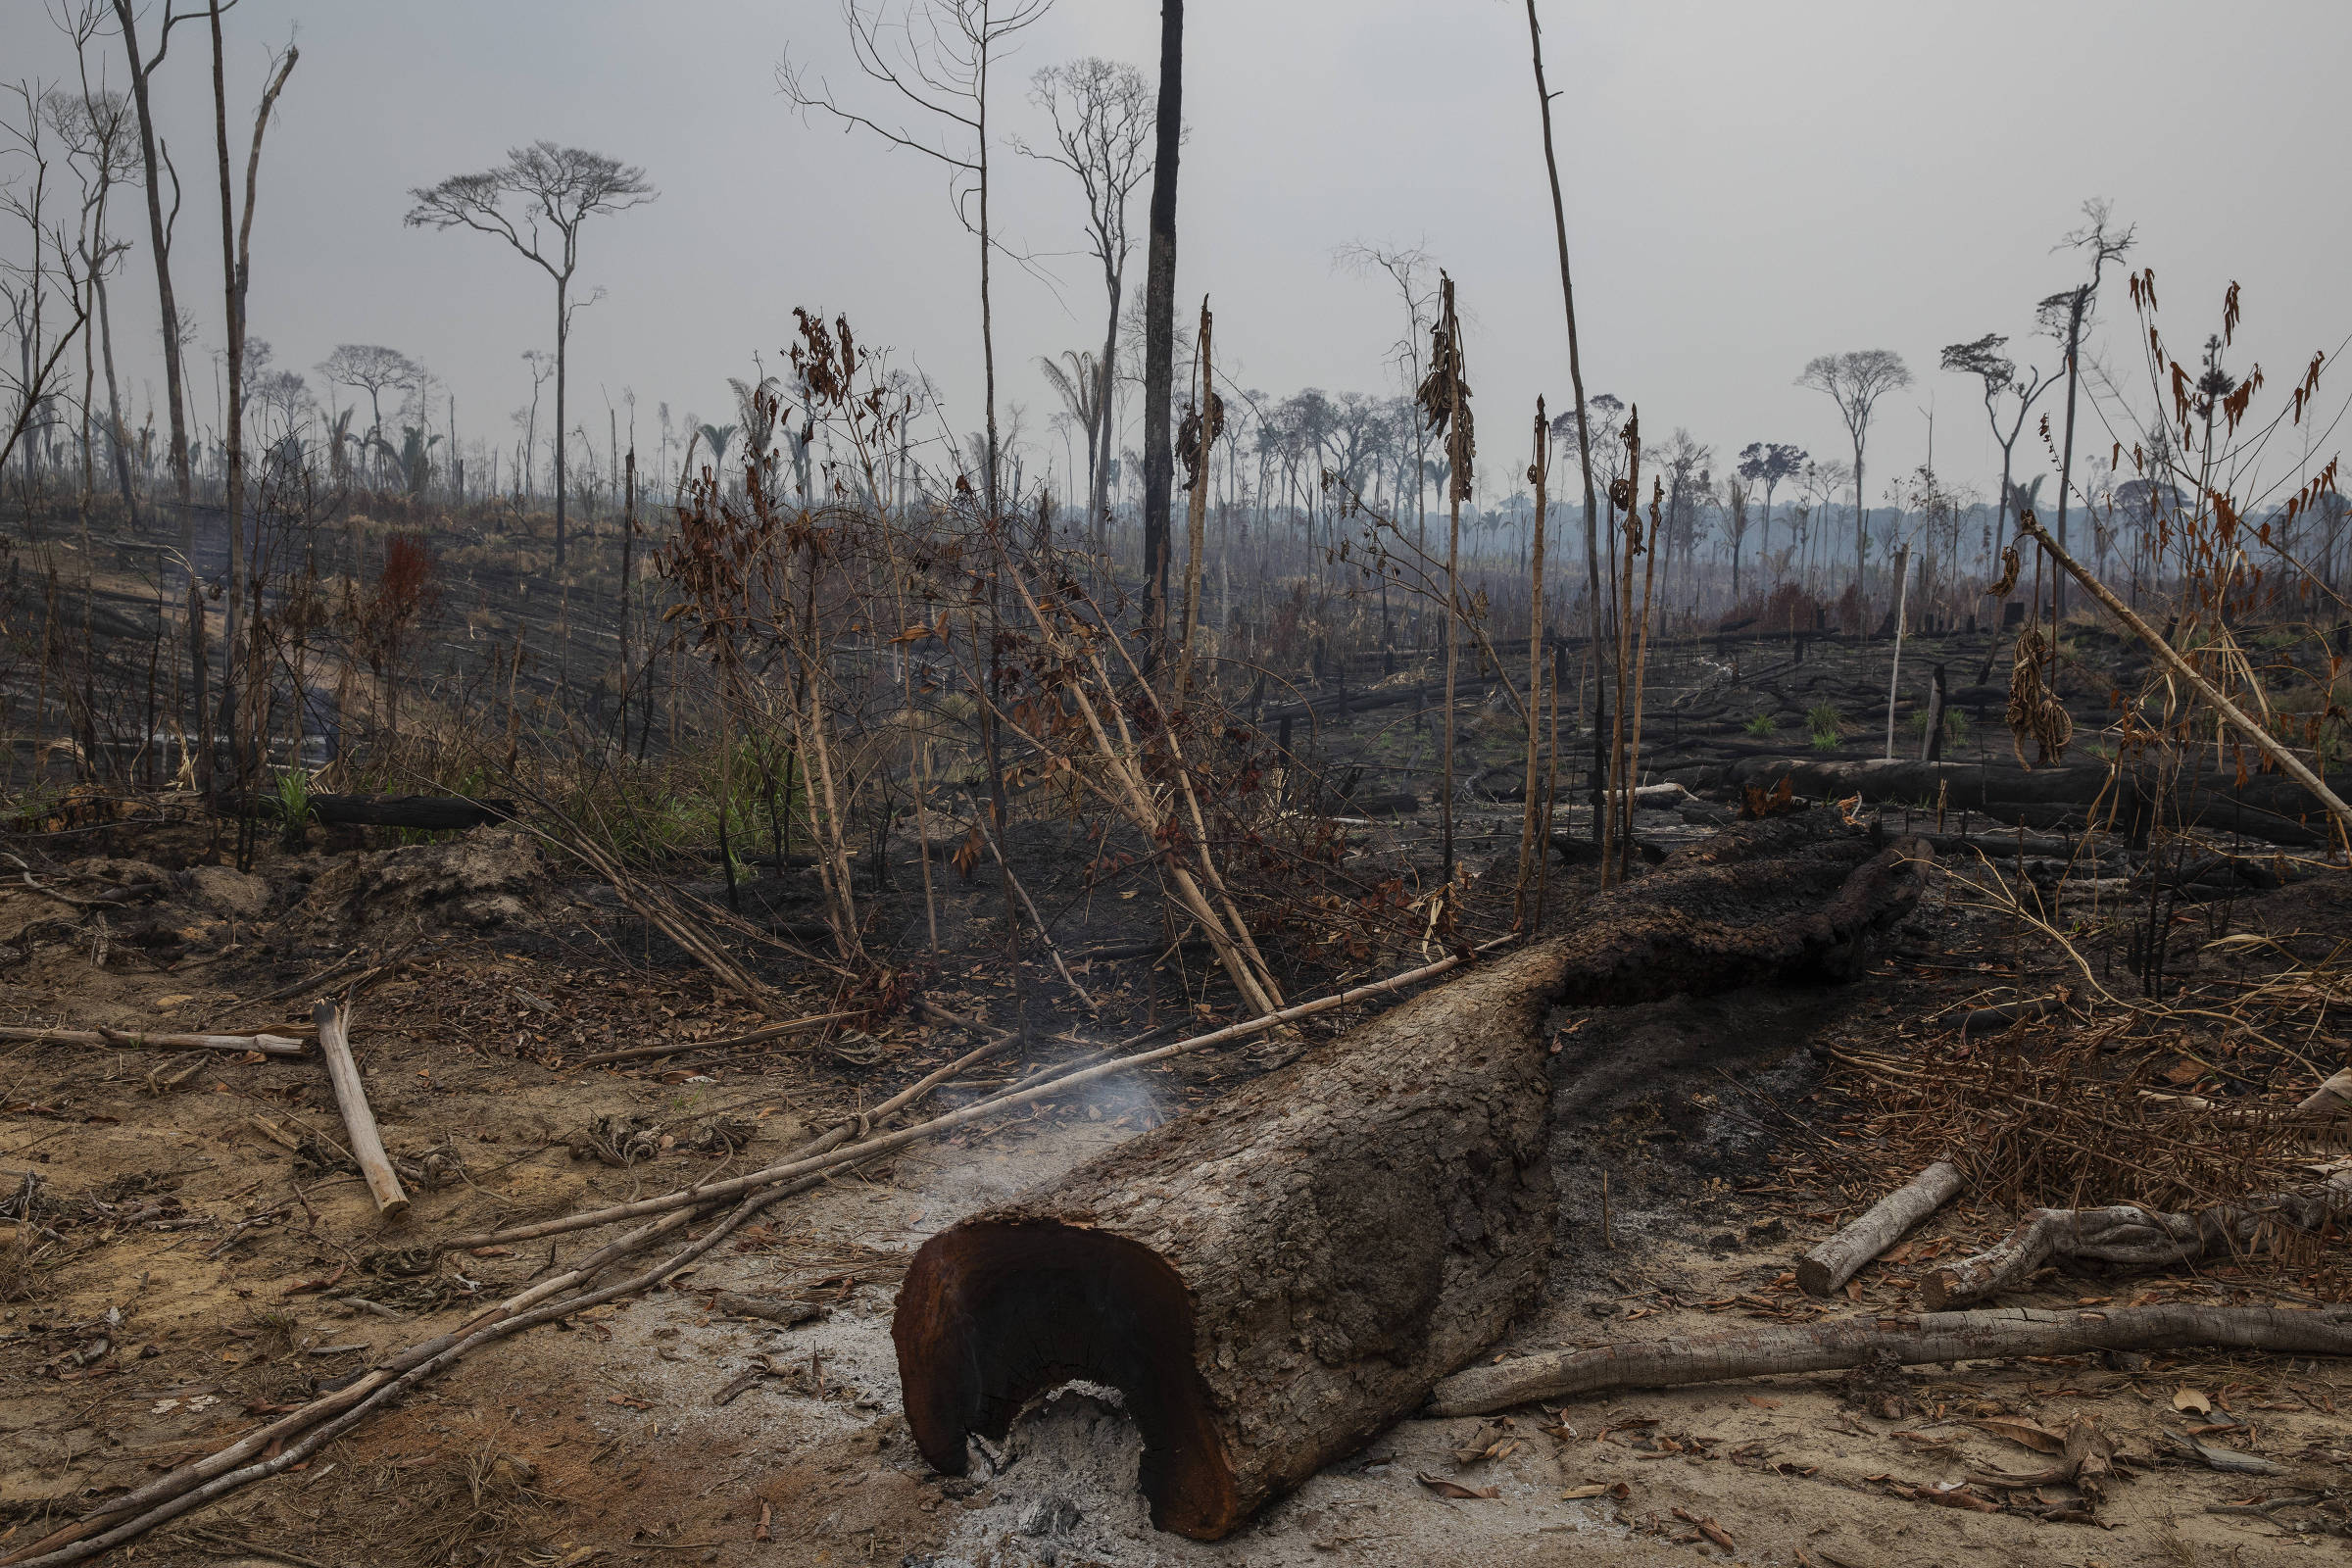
column 138, row 1040
column 1910, row 1341
column 787, row 1313
column 1986, row 1020
column 432, row 812
column 656, row 909
column 351, row 1098
column 813, row 1162
column 329, row 1416
column 1841, row 1256
column 1044, row 932
column 2127, row 1234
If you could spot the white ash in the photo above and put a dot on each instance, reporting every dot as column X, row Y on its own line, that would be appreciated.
column 1065, row 1489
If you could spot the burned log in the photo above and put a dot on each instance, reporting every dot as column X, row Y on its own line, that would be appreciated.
column 2266, row 807
column 1275, row 1279
column 437, row 812
column 1270, row 1281
column 1796, row 898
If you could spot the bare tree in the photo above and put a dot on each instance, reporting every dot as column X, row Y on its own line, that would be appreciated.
column 1101, row 111
column 935, row 55
column 27, row 287
column 1576, row 378
column 2063, row 317
column 1408, row 268
column 94, row 124
column 1856, row 381
column 236, row 269
column 156, row 156
column 1159, row 322
column 536, row 201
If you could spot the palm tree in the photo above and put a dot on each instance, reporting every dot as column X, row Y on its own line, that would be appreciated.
column 1080, row 388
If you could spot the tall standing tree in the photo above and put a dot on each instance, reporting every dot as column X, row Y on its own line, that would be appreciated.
column 537, row 201
column 1856, row 381
column 2064, row 317
column 935, row 55
column 1159, row 321
column 236, row 270
column 156, row 158
column 1576, row 380
column 1408, row 268
column 1765, row 464
column 1102, row 114
column 1984, row 360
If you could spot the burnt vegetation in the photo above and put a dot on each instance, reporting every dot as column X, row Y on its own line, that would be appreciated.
column 1374, row 851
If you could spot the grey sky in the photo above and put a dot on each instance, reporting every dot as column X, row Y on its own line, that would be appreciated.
column 1747, row 185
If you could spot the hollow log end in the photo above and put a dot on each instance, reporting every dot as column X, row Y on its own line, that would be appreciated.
column 1814, row 1276
column 996, row 1312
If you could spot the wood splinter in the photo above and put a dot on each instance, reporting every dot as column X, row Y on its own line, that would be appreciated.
column 1839, row 1258
column 366, row 1145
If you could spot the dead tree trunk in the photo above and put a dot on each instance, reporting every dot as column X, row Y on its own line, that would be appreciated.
column 1274, row 1280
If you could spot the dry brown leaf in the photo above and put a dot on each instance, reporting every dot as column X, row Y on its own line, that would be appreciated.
column 2188, row 1399
column 1455, row 1488
column 1591, row 1489
column 1762, row 1404
column 2031, row 1433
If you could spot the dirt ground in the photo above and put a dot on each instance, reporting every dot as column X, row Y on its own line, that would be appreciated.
column 197, row 1253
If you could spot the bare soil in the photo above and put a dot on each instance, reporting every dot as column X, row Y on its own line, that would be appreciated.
column 196, row 1254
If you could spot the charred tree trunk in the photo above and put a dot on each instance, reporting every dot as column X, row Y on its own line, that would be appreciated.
column 1159, row 326
column 1274, row 1280
column 1276, row 1277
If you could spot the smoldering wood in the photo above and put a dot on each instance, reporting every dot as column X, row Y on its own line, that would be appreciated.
column 351, row 1098
column 1995, row 1334
column 1277, row 1277
column 1274, row 1278
column 1880, row 1226
column 2127, row 1235
column 1789, row 898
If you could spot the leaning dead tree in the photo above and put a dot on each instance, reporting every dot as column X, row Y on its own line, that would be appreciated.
column 1274, row 1278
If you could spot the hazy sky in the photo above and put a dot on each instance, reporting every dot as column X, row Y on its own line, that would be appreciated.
column 1746, row 186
